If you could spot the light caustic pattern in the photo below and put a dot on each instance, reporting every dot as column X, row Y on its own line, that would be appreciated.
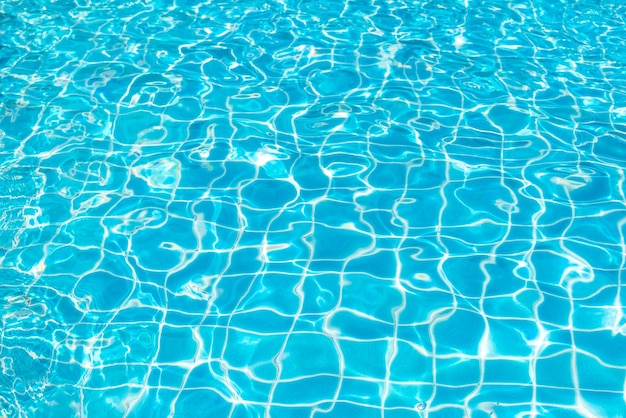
column 330, row 209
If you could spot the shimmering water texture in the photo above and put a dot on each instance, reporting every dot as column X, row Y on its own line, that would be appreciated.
column 312, row 208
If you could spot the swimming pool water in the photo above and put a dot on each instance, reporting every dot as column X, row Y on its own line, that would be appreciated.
column 312, row 209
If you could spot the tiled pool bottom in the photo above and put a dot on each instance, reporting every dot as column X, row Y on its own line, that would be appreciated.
column 312, row 209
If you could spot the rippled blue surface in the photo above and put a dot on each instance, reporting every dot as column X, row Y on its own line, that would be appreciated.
column 297, row 209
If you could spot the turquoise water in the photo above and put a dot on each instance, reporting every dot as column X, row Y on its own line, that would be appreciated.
column 312, row 209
